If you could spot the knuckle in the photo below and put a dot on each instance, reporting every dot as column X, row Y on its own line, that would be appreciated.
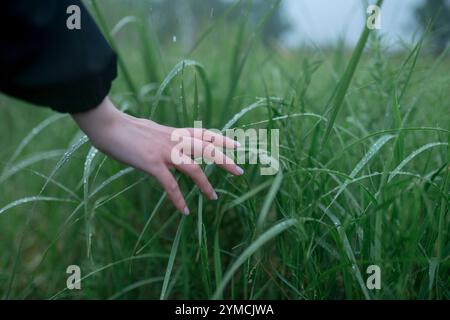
column 204, row 181
column 229, row 162
column 195, row 169
column 205, row 135
column 173, row 187
column 207, row 188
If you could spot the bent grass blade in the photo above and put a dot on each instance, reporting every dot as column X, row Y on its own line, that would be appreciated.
column 250, row 250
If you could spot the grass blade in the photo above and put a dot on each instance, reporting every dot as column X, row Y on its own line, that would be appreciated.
column 33, row 199
column 414, row 154
column 276, row 184
column 346, row 79
column 200, row 220
column 250, row 250
column 172, row 256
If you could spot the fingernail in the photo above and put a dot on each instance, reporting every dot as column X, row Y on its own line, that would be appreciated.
column 237, row 144
column 215, row 196
column 239, row 170
column 186, row 211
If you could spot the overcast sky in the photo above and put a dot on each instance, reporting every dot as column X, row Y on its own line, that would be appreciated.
column 323, row 22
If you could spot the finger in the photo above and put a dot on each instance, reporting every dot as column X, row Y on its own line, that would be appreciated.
column 190, row 168
column 208, row 151
column 215, row 138
column 216, row 156
column 173, row 190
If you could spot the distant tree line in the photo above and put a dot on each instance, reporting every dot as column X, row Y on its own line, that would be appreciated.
column 434, row 16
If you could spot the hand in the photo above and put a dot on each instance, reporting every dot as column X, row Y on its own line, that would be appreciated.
column 147, row 146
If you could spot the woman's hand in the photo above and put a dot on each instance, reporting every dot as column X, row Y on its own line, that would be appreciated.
column 149, row 147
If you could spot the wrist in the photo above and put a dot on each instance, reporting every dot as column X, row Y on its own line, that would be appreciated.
column 96, row 122
column 104, row 115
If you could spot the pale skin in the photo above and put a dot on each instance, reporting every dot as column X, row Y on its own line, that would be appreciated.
column 147, row 146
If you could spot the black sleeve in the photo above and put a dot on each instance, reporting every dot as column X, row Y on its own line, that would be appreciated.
column 45, row 63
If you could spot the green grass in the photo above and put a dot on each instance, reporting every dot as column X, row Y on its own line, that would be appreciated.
column 364, row 158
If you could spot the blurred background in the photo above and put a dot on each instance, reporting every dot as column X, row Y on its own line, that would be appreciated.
column 299, row 23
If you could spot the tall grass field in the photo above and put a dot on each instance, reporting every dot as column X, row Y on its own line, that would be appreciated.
column 364, row 175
